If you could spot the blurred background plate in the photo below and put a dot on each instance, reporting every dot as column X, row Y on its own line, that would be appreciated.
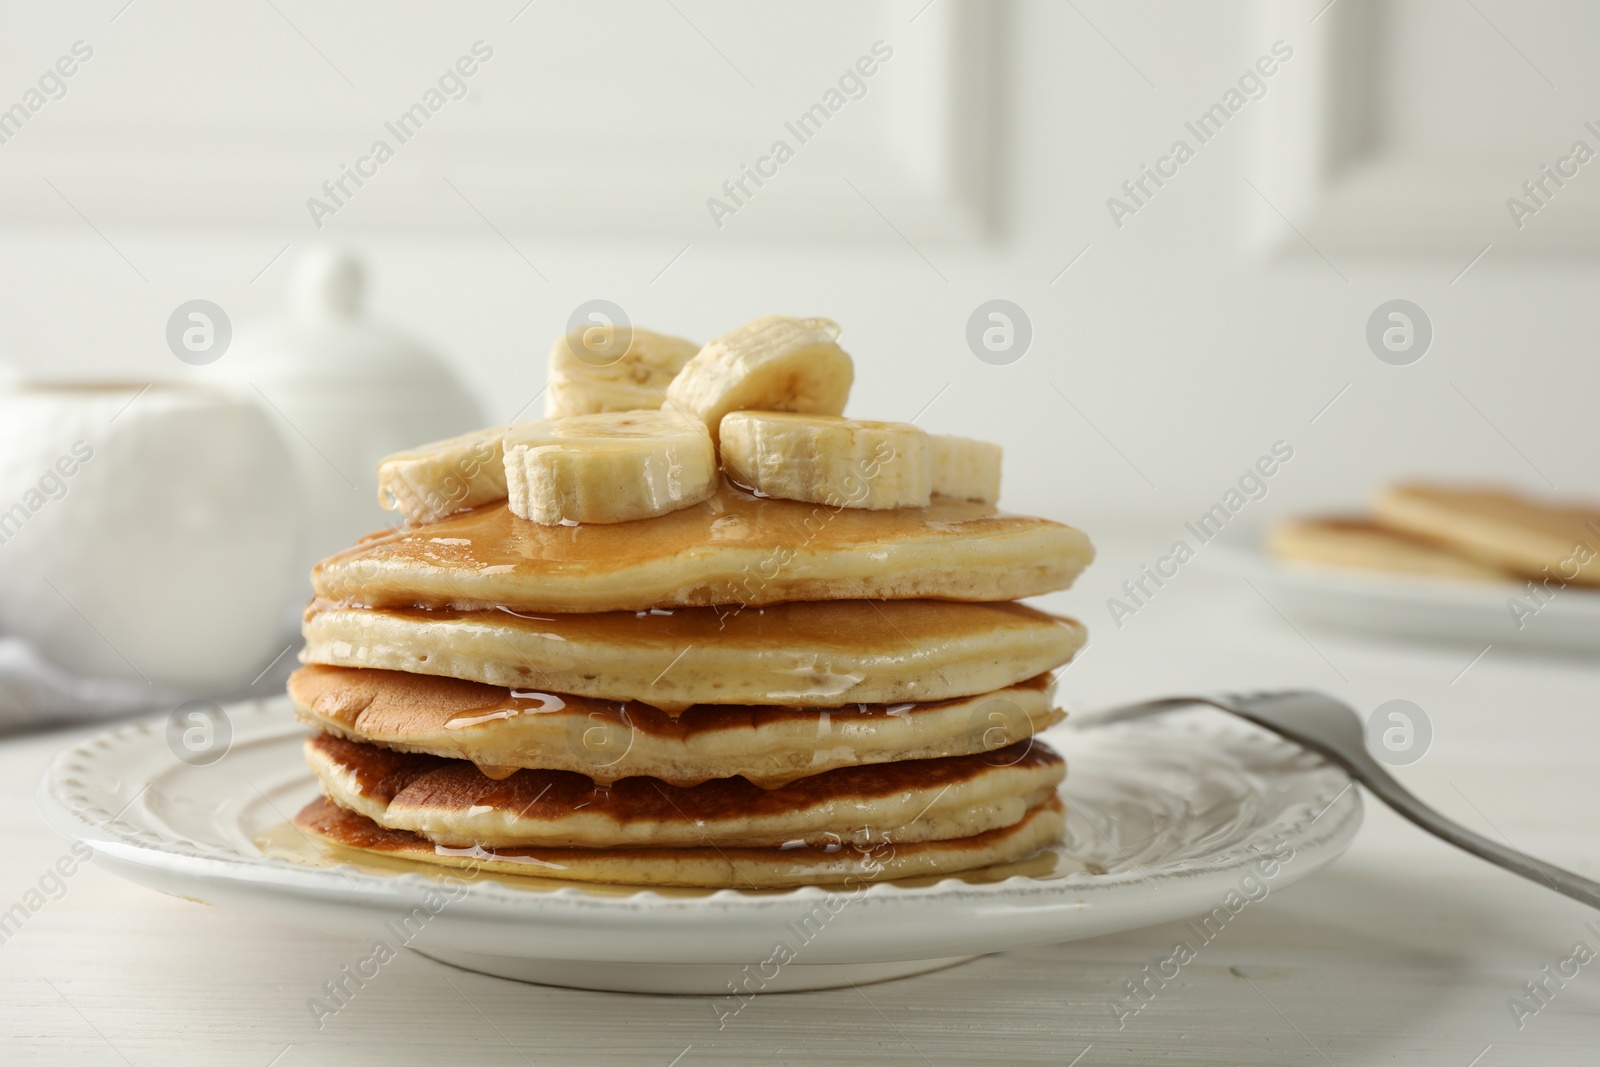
column 1398, row 605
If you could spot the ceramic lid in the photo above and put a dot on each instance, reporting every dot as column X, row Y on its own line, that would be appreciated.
column 326, row 336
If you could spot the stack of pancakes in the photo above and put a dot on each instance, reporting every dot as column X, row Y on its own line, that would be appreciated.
column 746, row 692
column 1475, row 533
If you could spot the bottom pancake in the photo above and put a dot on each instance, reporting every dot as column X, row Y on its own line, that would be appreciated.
column 707, row 868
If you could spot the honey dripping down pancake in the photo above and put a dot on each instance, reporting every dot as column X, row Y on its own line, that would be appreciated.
column 708, row 868
column 450, row 802
column 502, row 730
column 806, row 654
column 733, row 548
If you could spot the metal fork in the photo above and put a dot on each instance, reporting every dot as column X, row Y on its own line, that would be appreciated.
column 1332, row 730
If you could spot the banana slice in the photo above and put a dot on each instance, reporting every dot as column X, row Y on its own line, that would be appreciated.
column 964, row 469
column 773, row 363
column 826, row 459
column 587, row 376
column 428, row 483
column 608, row 467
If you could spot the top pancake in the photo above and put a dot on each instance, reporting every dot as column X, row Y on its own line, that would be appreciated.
column 1500, row 529
column 733, row 548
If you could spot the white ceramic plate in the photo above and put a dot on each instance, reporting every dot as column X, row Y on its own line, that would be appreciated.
column 1167, row 818
column 1471, row 613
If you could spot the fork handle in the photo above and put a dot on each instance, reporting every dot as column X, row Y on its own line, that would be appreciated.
column 1370, row 774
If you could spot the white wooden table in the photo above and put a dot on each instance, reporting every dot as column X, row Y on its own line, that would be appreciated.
column 1405, row 951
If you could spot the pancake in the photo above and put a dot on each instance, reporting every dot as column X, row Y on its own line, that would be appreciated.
column 733, row 548
column 808, row 654
column 1362, row 544
column 1500, row 529
column 745, row 868
column 452, row 803
column 501, row 729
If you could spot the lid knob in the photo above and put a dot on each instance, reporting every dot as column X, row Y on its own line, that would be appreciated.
column 328, row 283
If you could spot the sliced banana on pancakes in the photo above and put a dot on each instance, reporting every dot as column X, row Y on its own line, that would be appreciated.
column 586, row 379
column 610, row 467
column 964, row 469
column 426, row 484
column 855, row 463
column 773, row 363
column 826, row 459
column 635, row 434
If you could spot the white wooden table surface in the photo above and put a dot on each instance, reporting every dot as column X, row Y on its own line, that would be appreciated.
column 1404, row 951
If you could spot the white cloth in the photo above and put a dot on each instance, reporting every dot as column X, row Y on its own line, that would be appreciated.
column 35, row 692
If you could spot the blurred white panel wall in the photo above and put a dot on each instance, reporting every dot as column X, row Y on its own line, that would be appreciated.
column 1185, row 313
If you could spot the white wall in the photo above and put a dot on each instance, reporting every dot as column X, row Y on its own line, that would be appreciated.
column 1187, row 338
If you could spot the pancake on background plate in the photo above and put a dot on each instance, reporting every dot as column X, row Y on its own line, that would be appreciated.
column 1362, row 544
column 1501, row 529
column 1481, row 534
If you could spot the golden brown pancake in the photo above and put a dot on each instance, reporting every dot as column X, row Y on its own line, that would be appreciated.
column 501, row 730
column 1362, row 544
column 808, row 654
column 1500, row 529
column 452, row 803
column 734, row 548
column 744, row 868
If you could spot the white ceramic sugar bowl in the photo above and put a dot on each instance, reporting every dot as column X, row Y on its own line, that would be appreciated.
column 147, row 532
column 345, row 392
